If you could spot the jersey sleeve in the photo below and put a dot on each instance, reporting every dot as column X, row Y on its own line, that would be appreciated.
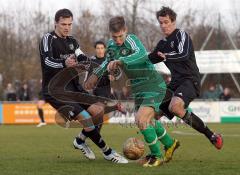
column 81, row 57
column 99, row 71
column 153, row 56
column 139, row 54
column 45, row 49
column 182, row 48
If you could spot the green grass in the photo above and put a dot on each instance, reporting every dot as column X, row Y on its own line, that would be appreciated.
column 48, row 150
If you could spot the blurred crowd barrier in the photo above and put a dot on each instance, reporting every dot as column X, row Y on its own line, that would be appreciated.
column 208, row 111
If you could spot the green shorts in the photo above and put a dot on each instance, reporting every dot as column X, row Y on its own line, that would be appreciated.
column 149, row 94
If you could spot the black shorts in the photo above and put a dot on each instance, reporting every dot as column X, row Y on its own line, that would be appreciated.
column 187, row 91
column 68, row 110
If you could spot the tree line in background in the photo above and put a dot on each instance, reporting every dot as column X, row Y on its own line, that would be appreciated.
column 20, row 34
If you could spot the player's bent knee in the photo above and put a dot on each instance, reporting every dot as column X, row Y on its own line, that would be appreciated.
column 174, row 109
column 177, row 110
column 142, row 122
column 144, row 116
column 96, row 110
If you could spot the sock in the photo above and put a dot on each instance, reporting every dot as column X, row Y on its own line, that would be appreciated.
column 40, row 113
column 162, row 135
column 99, row 127
column 81, row 137
column 79, row 140
column 195, row 122
column 97, row 139
column 151, row 139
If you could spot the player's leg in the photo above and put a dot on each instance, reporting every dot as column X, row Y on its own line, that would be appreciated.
column 143, row 119
column 84, row 119
column 106, row 92
column 87, row 119
column 100, row 91
column 66, row 112
column 182, row 97
column 40, row 104
column 170, row 144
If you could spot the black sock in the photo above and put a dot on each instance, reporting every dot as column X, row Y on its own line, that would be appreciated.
column 40, row 113
column 97, row 139
column 195, row 122
column 81, row 137
column 99, row 127
column 79, row 140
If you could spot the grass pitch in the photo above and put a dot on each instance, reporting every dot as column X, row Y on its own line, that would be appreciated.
column 48, row 150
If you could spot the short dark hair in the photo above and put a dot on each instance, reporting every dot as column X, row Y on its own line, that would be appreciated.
column 99, row 42
column 166, row 11
column 117, row 24
column 65, row 13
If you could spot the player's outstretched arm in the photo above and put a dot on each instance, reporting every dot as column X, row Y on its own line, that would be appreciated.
column 91, row 82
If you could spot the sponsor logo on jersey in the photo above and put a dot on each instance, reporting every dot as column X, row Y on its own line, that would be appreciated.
column 124, row 52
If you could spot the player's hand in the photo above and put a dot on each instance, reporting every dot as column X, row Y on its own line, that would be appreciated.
column 114, row 65
column 161, row 55
column 91, row 82
column 71, row 61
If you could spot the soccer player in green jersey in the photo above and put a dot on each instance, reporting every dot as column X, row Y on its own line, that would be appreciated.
column 127, row 52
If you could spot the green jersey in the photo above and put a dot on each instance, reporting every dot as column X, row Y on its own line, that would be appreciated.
column 144, row 79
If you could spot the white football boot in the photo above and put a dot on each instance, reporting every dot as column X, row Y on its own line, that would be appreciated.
column 115, row 157
column 86, row 150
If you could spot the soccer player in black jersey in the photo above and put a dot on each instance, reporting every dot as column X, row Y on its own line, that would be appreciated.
column 103, row 87
column 177, row 52
column 60, row 54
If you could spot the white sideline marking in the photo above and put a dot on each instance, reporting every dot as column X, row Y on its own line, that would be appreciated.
column 191, row 133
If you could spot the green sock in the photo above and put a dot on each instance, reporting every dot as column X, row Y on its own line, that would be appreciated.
column 151, row 139
column 162, row 134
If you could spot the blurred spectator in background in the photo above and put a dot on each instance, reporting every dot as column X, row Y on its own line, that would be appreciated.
column 40, row 103
column 103, row 87
column 213, row 92
column 10, row 93
column 24, row 93
column 225, row 95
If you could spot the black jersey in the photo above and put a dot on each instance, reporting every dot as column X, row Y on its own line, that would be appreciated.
column 53, row 52
column 180, row 58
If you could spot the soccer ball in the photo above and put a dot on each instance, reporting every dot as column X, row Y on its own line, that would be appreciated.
column 133, row 148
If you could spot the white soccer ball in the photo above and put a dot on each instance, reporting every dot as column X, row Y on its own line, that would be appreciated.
column 133, row 148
